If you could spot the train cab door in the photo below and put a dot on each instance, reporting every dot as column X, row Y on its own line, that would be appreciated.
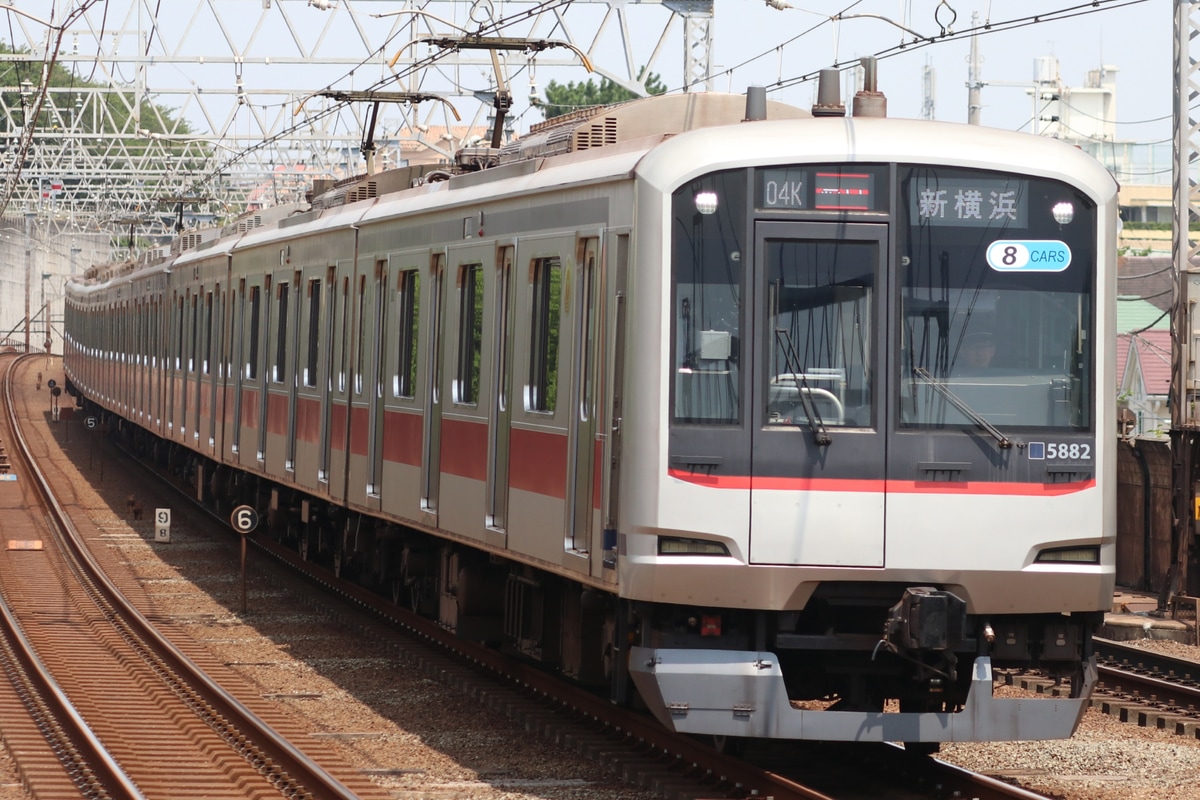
column 817, row 447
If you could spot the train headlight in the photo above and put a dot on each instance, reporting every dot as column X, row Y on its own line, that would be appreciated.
column 706, row 202
column 674, row 546
column 1063, row 213
column 1089, row 554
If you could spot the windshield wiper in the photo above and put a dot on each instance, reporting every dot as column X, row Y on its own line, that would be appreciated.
column 958, row 403
column 815, row 423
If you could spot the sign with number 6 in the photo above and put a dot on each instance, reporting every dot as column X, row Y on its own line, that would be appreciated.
column 244, row 519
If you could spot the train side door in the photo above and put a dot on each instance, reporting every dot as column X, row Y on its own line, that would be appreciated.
column 377, row 328
column 818, row 454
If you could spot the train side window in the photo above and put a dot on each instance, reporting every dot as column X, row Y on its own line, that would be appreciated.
column 541, row 393
column 314, row 332
column 408, row 286
column 251, row 369
column 361, row 338
column 470, row 334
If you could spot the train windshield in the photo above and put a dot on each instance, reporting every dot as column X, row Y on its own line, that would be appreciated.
column 996, row 290
column 955, row 295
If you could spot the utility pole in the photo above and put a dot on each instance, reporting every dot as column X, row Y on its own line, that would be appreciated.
column 928, row 79
column 974, row 77
column 1184, row 573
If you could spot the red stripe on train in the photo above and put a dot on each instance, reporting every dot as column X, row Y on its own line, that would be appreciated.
column 882, row 486
column 464, row 448
column 402, row 437
column 538, row 462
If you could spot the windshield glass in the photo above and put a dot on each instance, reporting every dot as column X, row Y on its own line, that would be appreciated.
column 997, row 276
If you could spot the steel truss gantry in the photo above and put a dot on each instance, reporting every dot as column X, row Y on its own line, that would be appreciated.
column 241, row 77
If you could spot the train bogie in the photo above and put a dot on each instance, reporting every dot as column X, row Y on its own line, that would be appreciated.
column 703, row 412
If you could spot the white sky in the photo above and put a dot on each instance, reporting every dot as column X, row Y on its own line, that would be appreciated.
column 752, row 44
column 1134, row 37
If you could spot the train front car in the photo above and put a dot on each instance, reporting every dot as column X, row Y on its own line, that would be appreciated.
column 872, row 461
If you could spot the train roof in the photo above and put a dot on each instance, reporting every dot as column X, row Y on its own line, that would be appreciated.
column 874, row 140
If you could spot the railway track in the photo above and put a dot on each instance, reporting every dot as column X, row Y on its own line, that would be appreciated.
column 99, row 703
column 1148, row 688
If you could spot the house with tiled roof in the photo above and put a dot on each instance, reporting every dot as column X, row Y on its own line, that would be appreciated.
column 1144, row 381
column 1151, row 278
column 1136, row 314
column 1146, row 287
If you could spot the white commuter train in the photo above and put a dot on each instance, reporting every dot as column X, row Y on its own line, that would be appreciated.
column 789, row 426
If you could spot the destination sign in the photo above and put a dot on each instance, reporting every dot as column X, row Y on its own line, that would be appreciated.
column 839, row 189
column 822, row 188
column 983, row 203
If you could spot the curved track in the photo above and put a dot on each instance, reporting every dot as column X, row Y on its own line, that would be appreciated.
column 104, row 705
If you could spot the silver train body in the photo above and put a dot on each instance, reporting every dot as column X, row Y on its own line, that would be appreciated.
column 794, row 428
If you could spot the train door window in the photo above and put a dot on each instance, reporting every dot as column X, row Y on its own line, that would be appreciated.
column 180, row 338
column 470, row 334
column 541, row 393
column 194, row 346
column 194, row 366
column 343, row 357
column 818, row 331
column 242, row 374
column 215, row 309
column 138, row 344
column 291, row 368
column 381, row 324
column 264, row 407
column 432, row 442
column 314, row 332
column 331, row 318
column 177, row 362
column 279, row 368
column 587, row 341
column 360, row 339
column 206, row 363
column 498, row 482
column 251, row 352
column 503, row 333
column 408, row 289
column 152, row 359
column 232, row 346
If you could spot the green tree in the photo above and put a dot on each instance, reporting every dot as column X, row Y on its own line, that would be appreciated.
column 563, row 99
column 95, row 118
column 121, row 105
